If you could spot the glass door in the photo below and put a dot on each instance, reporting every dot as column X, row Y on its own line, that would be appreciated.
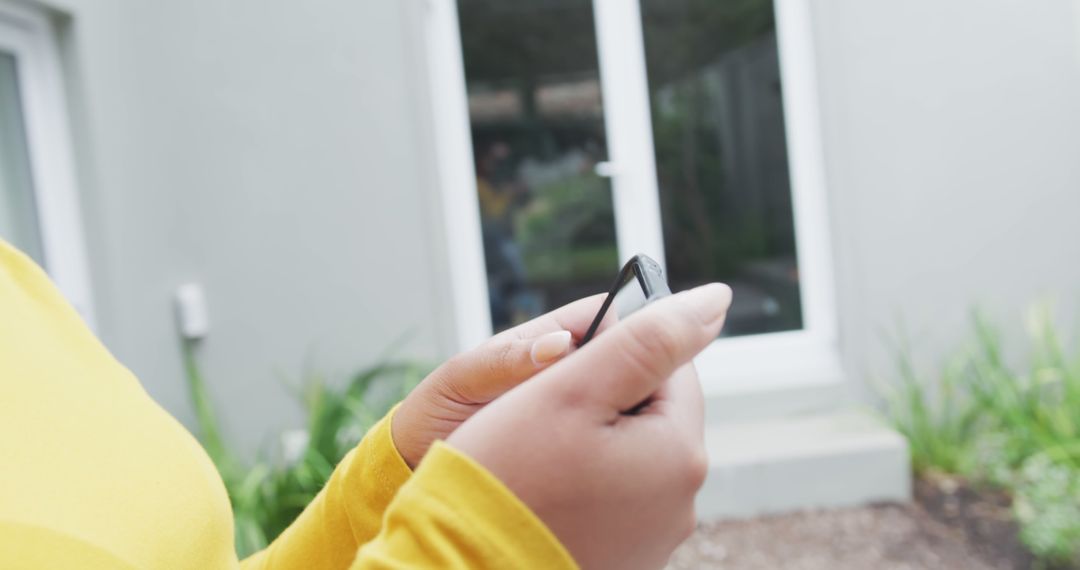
column 682, row 129
column 602, row 128
column 541, row 153
column 716, row 104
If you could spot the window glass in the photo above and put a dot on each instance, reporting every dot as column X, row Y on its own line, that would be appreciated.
column 18, row 214
column 721, row 156
column 537, row 122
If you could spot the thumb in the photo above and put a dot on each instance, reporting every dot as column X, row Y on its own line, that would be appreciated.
column 629, row 362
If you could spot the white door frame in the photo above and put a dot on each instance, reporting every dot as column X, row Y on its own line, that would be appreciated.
column 30, row 37
column 628, row 126
column 455, row 173
column 809, row 356
column 731, row 365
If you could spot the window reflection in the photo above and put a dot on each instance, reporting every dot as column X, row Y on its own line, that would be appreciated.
column 537, row 122
column 721, row 156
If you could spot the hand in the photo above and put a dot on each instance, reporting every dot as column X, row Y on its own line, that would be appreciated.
column 617, row 489
column 469, row 381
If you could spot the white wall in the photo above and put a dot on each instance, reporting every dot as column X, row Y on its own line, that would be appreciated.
column 952, row 134
column 270, row 151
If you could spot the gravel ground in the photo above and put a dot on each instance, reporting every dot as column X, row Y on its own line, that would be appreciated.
column 883, row 537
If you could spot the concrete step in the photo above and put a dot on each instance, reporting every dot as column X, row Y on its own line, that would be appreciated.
column 827, row 460
column 757, row 405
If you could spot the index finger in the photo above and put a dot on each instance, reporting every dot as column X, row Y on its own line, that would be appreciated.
column 574, row 317
column 505, row 360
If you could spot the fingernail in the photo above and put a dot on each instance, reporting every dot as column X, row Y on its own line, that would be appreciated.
column 710, row 302
column 549, row 347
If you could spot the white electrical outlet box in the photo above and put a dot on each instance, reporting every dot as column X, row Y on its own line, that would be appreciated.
column 192, row 317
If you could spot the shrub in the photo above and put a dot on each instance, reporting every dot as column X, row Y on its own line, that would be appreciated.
column 996, row 424
column 269, row 493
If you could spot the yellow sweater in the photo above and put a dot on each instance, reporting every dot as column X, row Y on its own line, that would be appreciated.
column 94, row 474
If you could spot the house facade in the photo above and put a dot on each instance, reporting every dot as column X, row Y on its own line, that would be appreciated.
column 334, row 176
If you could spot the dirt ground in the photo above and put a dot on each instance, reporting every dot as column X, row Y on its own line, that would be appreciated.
column 948, row 527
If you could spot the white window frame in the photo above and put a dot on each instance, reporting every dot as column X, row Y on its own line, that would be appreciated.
column 731, row 366
column 28, row 34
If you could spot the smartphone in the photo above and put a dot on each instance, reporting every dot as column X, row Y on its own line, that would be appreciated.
column 640, row 282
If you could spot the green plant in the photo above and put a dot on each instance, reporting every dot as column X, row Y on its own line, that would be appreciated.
column 1047, row 505
column 269, row 493
column 939, row 427
column 999, row 424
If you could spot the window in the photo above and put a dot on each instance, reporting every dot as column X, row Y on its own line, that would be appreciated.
column 538, row 133
column 683, row 129
column 721, row 156
column 39, row 210
column 19, row 223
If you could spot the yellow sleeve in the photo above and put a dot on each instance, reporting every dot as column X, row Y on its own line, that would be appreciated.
column 453, row 513
column 346, row 513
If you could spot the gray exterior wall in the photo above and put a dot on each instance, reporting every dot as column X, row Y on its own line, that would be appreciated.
column 268, row 150
column 952, row 142
column 278, row 153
